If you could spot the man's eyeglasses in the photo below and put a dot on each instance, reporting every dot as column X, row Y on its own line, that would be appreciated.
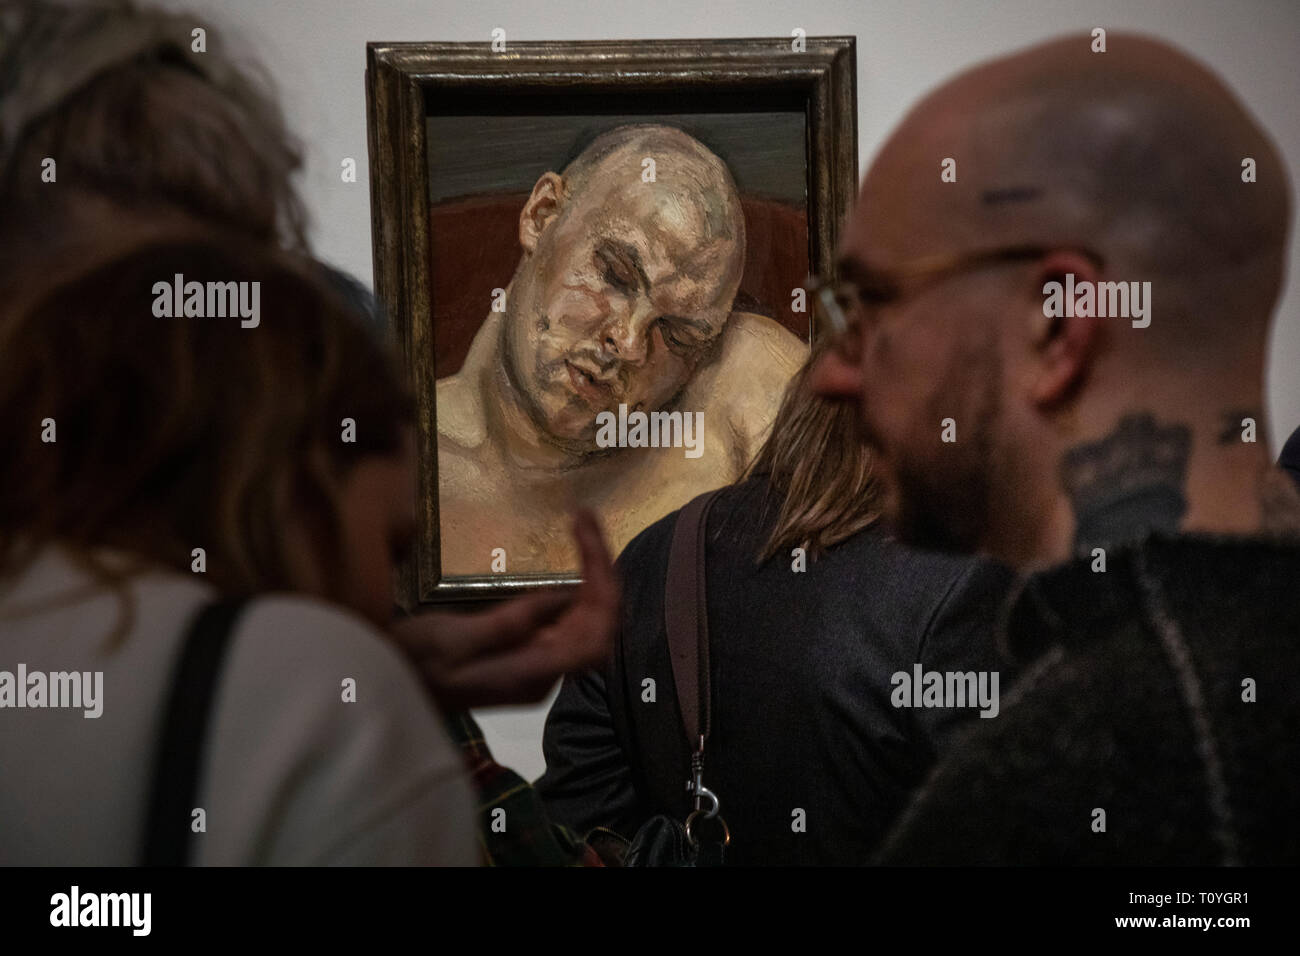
column 843, row 310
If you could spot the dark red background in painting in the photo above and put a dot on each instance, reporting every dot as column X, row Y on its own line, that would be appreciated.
column 475, row 247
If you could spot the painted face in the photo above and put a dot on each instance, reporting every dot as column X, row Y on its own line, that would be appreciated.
column 625, row 294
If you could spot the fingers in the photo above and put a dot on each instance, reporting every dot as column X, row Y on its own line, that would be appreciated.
column 521, row 676
column 588, row 626
column 515, row 621
column 514, row 653
column 455, row 638
column 598, row 581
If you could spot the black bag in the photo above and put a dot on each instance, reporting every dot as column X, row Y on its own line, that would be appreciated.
column 702, row 838
column 178, row 759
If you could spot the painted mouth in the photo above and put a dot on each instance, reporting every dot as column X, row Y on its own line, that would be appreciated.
column 589, row 388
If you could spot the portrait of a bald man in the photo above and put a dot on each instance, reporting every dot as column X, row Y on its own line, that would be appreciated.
column 622, row 296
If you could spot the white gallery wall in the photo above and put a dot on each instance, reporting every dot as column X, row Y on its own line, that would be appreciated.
column 314, row 51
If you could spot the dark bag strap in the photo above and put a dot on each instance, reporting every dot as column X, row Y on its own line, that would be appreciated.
column 686, row 615
column 178, row 759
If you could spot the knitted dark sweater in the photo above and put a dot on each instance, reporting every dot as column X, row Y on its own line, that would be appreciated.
column 1132, row 703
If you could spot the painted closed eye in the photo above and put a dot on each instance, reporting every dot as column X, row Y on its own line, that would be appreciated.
column 676, row 339
column 613, row 273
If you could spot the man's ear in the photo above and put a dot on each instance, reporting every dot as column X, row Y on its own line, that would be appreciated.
column 1063, row 343
column 543, row 205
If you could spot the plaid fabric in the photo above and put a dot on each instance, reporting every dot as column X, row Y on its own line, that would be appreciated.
column 513, row 829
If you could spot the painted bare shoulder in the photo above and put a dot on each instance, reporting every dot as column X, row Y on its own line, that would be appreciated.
column 460, row 413
column 741, row 390
column 747, row 381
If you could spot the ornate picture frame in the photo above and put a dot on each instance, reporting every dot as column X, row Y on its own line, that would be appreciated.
column 468, row 90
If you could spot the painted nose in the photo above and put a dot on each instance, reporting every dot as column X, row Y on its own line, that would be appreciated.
column 626, row 338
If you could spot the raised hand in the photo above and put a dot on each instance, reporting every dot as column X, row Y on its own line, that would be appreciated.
column 514, row 653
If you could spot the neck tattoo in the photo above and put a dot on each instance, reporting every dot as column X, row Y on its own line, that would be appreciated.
column 1129, row 483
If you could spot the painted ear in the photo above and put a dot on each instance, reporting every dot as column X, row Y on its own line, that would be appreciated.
column 1064, row 343
column 543, row 206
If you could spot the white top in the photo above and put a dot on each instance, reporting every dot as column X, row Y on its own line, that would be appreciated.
column 293, row 774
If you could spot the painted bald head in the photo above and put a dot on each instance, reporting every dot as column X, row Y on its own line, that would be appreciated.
column 1123, row 166
column 632, row 257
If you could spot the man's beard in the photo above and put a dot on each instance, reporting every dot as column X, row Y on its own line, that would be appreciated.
column 943, row 510
column 946, row 505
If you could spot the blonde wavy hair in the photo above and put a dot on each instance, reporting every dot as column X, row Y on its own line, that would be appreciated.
column 817, row 468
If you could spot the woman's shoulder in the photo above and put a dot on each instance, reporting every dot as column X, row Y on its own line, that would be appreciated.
column 320, row 713
column 281, row 644
column 326, row 647
column 296, row 618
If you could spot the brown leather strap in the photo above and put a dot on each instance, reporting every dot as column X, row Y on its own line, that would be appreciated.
column 686, row 615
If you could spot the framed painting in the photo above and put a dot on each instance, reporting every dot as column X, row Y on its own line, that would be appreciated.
column 591, row 257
